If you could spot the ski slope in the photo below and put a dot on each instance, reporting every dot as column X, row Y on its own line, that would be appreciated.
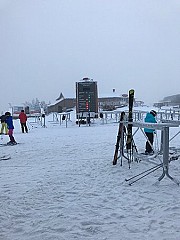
column 60, row 184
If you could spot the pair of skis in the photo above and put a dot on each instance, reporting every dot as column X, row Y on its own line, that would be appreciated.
column 120, row 137
column 6, row 144
column 121, row 130
column 5, row 157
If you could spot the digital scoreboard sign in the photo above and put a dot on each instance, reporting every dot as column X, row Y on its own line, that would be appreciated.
column 86, row 96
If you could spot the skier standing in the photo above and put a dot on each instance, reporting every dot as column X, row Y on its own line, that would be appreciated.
column 10, row 127
column 23, row 120
column 150, row 118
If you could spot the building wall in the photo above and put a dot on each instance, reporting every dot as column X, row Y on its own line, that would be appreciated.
column 112, row 103
column 107, row 102
column 62, row 106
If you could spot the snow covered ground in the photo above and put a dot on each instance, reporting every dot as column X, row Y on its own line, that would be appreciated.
column 60, row 184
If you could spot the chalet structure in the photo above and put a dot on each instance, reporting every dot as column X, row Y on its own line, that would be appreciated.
column 62, row 104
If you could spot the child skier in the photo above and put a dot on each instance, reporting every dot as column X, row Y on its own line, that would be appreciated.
column 10, row 127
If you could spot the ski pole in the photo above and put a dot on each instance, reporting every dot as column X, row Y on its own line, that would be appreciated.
column 30, row 125
column 145, row 174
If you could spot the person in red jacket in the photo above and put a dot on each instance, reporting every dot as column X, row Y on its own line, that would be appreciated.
column 23, row 120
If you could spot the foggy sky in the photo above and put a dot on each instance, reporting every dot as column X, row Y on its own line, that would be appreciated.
column 48, row 45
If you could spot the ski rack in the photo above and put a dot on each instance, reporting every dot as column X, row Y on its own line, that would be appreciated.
column 121, row 144
column 59, row 118
column 164, row 127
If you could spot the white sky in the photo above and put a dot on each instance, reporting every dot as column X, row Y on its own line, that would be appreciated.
column 48, row 45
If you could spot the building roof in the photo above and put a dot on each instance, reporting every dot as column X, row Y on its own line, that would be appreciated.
column 61, row 96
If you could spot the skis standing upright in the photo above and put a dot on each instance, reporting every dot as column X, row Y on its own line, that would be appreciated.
column 130, row 119
column 119, row 138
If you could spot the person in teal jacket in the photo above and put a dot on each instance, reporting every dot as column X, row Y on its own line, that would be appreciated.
column 150, row 118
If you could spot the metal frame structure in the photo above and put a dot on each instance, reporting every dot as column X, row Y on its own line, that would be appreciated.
column 164, row 127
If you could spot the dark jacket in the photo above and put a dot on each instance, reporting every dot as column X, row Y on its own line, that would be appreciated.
column 3, row 118
column 9, row 122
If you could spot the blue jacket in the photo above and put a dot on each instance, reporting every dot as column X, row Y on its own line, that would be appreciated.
column 149, row 119
column 9, row 122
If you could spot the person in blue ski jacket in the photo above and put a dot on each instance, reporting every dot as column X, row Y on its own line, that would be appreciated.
column 10, row 127
column 150, row 118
